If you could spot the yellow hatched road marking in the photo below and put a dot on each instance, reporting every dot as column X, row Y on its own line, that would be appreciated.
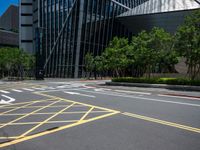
column 49, row 122
column 29, row 114
column 85, row 115
column 10, row 105
column 25, row 135
column 55, row 130
column 55, row 97
column 57, row 106
column 7, row 138
column 188, row 128
column 22, row 85
column 17, row 108
column 18, row 139
column 14, row 105
column 45, row 121
column 50, row 113
column 110, row 112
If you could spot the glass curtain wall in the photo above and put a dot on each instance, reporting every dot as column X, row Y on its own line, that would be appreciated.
column 72, row 28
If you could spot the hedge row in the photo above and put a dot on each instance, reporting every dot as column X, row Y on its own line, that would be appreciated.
column 170, row 81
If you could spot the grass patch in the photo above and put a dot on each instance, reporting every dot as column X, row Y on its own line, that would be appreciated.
column 169, row 81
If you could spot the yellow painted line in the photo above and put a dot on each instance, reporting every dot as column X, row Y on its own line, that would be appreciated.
column 45, row 121
column 22, row 85
column 56, row 106
column 16, row 108
column 28, row 114
column 14, row 105
column 50, row 96
column 197, row 130
column 10, row 87
column 24, row 106
column 49, row 122
column 167, row 123
column 11, row 105
column 86, row 114
column 55, row 130
column 50, row 113
column 110, row 112
column 14, row 87
column 8, row 138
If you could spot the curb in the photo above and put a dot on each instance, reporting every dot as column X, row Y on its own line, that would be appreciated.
column 166, row 86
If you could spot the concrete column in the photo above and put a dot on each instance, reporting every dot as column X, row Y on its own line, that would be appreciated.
column 81, row 7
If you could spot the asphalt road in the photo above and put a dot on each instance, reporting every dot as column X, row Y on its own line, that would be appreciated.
column 87, row 115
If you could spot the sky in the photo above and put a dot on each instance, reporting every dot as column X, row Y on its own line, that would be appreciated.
column 4, row 4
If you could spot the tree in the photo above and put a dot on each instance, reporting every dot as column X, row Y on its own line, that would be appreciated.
column 167, row 61
column 99, row 62
column 188, row 43
column 13, row 61
column 161, row 42
column 152, row 52
column 3, row 60
column 115, row 56
column 147, row 53
column 144, row 56
column 89, row 64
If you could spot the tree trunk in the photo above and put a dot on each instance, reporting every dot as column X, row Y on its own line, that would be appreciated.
column 117, row 72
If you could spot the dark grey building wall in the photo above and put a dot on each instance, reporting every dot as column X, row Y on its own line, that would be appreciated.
column 167, row 20
column 10, row 19
column 8, row 38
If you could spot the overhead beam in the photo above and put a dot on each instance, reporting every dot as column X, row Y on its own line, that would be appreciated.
column 59, row 35
column 197, row 1
column 120, row 4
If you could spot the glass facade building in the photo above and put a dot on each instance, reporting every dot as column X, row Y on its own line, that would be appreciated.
column 72, row 28
column 65, row 30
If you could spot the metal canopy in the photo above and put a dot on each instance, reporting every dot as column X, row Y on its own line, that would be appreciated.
column 155, row 6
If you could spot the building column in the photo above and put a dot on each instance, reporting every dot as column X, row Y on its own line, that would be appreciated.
column 81, row 7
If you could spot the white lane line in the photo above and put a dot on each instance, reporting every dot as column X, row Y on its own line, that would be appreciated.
column 26, row 89
column 178, row 96
column 6, row 92
column 62, row 86
column 16, row 90
column 106, row 89
column 89, row 87
column 98, row 90
column 42, row 89
column 133, row 92
column 64, row 89
column 10, row 100
column 50, row 88
column 102, row 89
column 143, row 98
column 75, row 93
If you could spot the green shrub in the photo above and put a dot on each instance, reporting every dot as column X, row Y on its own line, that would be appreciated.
column 170, row 81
